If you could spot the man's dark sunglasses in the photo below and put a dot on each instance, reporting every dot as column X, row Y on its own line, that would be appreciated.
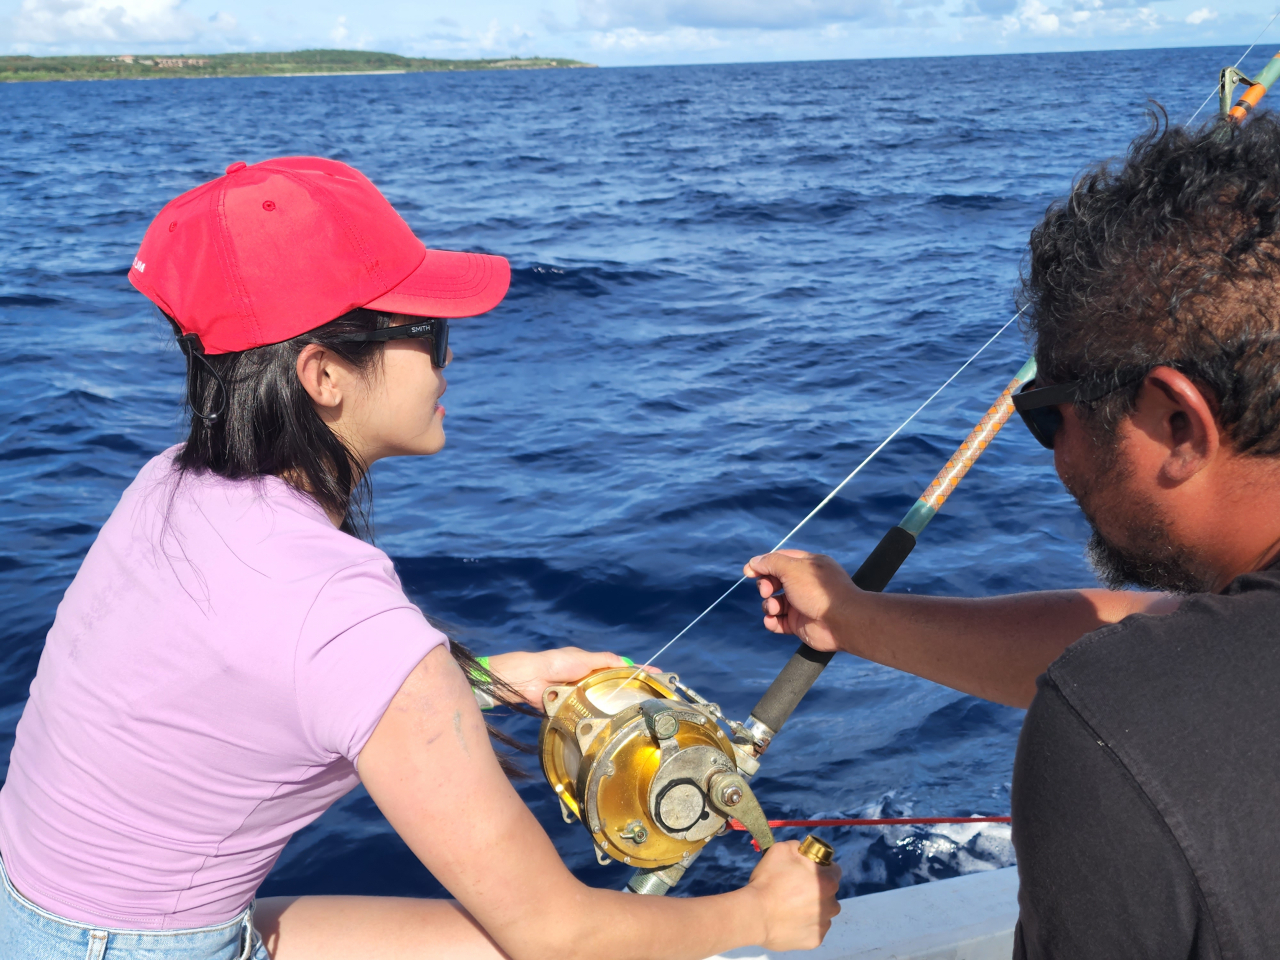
column 1038, row 406
column 434, row 329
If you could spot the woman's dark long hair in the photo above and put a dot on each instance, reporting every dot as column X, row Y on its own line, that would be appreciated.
column 267, row 425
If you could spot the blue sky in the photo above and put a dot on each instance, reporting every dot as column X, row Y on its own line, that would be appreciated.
column 622, row 32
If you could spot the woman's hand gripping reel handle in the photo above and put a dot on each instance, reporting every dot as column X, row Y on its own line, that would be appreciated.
column 819, row 851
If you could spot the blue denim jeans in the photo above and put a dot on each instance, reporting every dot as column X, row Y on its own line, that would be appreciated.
column 29, row 933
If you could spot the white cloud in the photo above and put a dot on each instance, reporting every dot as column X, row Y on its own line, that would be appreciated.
column 51, row 21
column 143, row 22
column 1034, row 17
column 493, row 39
column 621, row 31
column 1081, row 18
column 729, row 14
column 631, row 39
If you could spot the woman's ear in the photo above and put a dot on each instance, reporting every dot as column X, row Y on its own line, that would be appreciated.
column 321, row 376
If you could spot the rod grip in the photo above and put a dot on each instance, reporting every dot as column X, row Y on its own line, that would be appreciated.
column 790, row 686
column 883, row 562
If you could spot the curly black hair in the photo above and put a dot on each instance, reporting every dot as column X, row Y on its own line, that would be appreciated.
column 1169, row 258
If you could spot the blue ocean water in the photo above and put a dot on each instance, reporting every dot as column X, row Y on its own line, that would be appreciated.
column 730, row 283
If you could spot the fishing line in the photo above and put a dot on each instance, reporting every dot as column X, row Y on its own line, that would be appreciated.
column 1237, row 64
column 871, row 456
column 831, row 496
column 1258, row 37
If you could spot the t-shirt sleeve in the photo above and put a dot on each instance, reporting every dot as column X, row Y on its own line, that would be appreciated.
column 1101, row 876
column 360, row 640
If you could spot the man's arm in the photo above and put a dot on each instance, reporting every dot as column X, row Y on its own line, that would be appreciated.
column 991, row 647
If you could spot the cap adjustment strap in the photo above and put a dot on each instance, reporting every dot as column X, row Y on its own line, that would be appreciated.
column 193, row 350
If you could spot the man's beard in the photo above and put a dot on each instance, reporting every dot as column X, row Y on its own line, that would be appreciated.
column 1154, row 562
column 1149, row 558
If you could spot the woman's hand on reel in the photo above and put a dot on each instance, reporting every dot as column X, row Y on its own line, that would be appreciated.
column 531, row 673
column 797, row 897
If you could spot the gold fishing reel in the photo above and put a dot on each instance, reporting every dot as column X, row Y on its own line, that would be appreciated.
column 648, row 771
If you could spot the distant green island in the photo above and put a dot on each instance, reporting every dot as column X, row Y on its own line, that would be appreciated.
column 300, row 62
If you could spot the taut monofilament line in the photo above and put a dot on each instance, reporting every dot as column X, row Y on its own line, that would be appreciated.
column 840, row 486
column 645, row 762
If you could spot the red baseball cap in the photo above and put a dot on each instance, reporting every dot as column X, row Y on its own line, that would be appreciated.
column 274, row 249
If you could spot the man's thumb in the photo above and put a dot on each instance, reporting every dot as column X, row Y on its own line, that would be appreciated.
column 768, row 565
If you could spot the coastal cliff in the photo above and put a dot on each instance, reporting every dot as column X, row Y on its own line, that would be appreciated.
column 299, row 62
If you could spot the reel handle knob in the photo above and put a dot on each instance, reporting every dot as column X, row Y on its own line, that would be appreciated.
column 819, row 851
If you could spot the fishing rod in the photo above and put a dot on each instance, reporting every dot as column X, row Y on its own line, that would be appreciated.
column 642, row 759
column 790, row 686
column 1227, row 82
column 654, row 770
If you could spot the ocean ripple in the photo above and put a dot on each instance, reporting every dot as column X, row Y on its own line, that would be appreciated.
column 729, row 283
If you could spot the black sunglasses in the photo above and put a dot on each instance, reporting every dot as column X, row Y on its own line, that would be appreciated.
column 435, row 329
column 1038, row 406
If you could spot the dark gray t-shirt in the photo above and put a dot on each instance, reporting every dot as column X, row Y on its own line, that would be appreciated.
column 1146, row 789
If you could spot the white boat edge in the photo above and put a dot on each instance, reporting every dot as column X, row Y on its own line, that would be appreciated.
column 965, row 918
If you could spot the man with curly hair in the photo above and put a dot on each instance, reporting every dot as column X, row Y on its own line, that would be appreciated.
column 1147, row 779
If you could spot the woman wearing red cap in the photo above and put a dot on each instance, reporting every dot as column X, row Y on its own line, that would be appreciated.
column 231, row 659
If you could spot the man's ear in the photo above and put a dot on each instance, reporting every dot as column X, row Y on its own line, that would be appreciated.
column 320, row 376
column 1173, row 414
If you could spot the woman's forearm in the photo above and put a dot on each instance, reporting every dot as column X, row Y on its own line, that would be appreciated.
column 431, row 770
column 990, row 647
column 651, row 928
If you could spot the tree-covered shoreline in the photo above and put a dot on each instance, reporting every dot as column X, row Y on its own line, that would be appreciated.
column 154, row 66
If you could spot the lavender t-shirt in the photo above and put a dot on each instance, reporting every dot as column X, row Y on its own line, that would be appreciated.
column 211, row 676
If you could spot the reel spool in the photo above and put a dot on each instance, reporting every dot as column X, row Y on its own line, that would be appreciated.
column 649, row 773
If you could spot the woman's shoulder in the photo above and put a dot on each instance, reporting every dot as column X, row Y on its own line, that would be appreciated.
column 258, row 523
